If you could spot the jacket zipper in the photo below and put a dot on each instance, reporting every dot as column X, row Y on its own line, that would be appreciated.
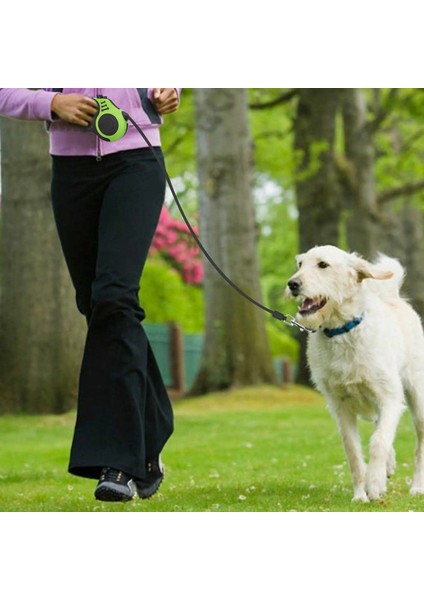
column 98, row 153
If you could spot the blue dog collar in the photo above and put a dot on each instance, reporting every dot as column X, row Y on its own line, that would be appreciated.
column 345, row 328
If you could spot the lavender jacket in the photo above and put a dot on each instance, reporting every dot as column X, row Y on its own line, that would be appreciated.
column 69, row 140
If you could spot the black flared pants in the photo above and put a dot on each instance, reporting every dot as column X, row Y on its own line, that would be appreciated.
column 106, row 214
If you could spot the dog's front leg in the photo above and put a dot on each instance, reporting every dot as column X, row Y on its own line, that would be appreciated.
column 348, row 427
column 381, row 446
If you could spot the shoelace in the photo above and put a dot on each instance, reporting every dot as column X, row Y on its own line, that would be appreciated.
column 112, row 475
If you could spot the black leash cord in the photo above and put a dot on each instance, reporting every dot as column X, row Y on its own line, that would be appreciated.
column 275, row 313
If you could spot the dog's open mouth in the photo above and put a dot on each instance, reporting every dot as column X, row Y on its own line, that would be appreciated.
column 311, row 305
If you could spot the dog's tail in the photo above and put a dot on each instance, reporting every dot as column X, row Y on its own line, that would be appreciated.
column 389, row 288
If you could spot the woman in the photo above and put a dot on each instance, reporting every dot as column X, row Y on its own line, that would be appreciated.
column 107, row 199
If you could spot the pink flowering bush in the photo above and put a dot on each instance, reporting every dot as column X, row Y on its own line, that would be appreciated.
column 175, row 243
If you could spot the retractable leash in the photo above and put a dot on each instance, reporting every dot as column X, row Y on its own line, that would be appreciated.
column 110, row 123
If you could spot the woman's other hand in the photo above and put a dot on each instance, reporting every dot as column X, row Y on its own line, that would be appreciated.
column 166, row 100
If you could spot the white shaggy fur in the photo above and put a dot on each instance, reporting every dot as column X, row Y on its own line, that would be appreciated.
column 369, row 370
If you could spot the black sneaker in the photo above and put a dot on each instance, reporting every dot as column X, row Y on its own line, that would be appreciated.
column 154, row 476
column 114, row 486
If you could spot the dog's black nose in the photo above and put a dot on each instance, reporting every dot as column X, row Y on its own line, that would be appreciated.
column 295, row 285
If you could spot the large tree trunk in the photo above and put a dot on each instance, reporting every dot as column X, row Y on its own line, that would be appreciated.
column 363, row 225
column 236, row 348
column 317, row 190
column 41, row 331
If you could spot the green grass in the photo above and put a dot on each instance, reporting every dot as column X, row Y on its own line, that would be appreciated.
column 250, row 450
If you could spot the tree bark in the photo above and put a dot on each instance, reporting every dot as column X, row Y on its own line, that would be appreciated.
column 363, row 224
column 41, row 331
column 317, row 189
column 404, row 240
column 236, row 349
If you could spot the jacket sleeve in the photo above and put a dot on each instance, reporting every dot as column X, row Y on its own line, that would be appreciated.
column 22, row 103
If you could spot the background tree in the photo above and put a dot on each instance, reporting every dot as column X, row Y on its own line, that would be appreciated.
column 383, row 207
column 317, row 189
column 236, row 348
column 41, row 331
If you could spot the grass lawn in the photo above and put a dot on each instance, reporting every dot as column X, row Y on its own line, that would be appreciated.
column 257, row 449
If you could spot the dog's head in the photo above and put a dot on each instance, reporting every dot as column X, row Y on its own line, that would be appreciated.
column 327, row 279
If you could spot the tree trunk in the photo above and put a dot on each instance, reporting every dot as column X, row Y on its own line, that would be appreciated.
column 363, row 225
column 41, row 331
column 236, row 349
column 317, row 189
column 404, row 240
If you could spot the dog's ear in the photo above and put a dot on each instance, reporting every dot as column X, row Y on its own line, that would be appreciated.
column 366, row 270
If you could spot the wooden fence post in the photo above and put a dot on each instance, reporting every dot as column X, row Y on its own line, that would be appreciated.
column 176, row 350
column 287, row 371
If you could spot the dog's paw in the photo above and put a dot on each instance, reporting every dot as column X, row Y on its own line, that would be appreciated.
column 360, row 496
column 417, row 487
column 375, row 484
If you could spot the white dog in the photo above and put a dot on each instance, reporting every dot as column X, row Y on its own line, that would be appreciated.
column 366, row 354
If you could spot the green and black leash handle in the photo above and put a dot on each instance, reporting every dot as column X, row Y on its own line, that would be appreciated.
column 110, row 123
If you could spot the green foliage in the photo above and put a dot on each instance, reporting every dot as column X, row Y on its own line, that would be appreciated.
column 166, row 297
column 178, row 137
column 179, row 147
column 278, row 239
column 277, row 246
column 399, row 137
column 281, row 343
column 285, row 454
column 272, row 134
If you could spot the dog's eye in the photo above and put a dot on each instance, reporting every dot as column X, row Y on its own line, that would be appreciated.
column 323, row 265
column 299, row 264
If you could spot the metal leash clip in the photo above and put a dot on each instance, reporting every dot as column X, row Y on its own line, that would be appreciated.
column 291, row 322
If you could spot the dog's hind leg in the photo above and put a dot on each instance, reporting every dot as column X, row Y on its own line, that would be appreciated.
column 348, row 427
column 416, row 404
